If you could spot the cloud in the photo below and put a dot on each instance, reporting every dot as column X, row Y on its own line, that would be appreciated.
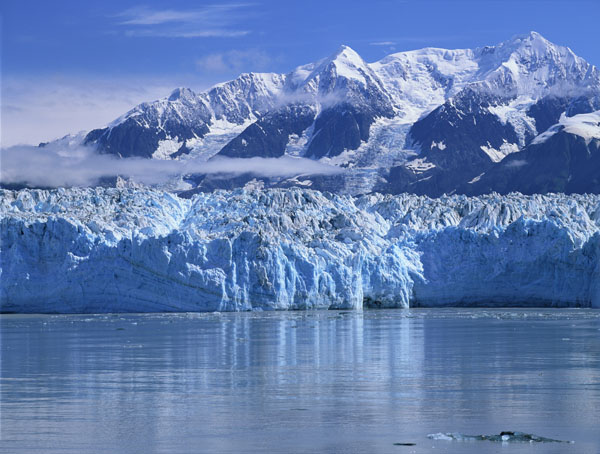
column 516, row 163
column 64, row 165
column 427, row 40
column 41, row 108
column 234, row 61
column 214, row 33
column 145, row 16
column 311, row 99
column 209, row 21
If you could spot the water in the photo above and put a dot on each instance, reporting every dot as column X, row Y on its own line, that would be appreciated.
column 300, row 382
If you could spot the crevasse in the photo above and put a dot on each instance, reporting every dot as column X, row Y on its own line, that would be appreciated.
column 132, row 250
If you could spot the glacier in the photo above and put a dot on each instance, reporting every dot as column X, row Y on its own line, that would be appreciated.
column 85, row 250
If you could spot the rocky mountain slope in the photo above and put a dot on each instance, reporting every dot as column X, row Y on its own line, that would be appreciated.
column 565, row 158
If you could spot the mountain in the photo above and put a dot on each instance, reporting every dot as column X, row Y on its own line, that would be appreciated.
column 99, row 250
column 565, row 158
column 427, row 121
column 170, row 127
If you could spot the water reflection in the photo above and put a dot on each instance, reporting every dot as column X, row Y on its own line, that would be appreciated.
column 297, row 382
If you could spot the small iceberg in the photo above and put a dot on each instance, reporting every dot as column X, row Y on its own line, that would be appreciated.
column 504, row 437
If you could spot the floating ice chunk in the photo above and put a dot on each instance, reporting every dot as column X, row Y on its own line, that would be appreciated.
column 504, row 437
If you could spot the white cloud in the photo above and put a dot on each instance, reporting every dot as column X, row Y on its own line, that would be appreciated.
column 516, row 163
column 383, row 43
column 145, row 16
column 214, row 33
column 234, row 61
column 39, row 109
column 64, row 165
column 209, row 21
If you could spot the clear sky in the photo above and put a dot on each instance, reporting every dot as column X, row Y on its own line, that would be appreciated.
column 72, row 65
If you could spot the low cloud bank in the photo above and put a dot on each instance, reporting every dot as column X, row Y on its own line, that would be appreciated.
column 65, row 166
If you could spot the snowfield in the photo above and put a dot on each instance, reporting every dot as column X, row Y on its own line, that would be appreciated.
column 139, row 250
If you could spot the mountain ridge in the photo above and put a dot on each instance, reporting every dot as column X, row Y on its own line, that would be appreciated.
column 438, row 115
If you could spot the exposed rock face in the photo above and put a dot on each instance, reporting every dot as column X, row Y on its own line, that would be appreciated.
column 269, row 136
column 103, row 250
column 182, row 116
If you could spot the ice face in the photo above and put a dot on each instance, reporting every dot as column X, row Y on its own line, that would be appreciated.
column 125, row 250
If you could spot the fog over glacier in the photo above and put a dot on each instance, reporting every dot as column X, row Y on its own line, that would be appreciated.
column 59, row 165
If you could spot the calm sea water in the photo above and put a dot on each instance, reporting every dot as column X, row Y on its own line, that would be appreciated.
column 299, row 382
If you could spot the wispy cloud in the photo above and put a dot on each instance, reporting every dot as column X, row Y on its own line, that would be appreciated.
column 383, row 43
column 214, row 33
column 41, row 108
column 145, row 16
column 62, row 165
column 234, row 60
column 430, row 39
column 398, row 41
column 208, row 21
column 516, row 163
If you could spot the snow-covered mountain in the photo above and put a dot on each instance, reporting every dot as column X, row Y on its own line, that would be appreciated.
column 126, row 250
column 170, row 127
column 565, row 158
column 425, row 121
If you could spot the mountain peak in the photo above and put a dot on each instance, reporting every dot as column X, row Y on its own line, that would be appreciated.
column 347, row 55
column 347, row 63
column 345, row 50
column 181, row 93
column 531, row 36
column 532, row 45
column 344, row 63
column 532, row 40
column 533, row 66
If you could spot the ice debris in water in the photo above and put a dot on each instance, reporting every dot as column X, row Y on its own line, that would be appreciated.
column 505, row 437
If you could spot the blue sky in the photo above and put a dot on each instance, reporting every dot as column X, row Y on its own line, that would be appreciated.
column 71, row 65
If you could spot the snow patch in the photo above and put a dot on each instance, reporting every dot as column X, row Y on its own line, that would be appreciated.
column 441, row 145
column 497, row 155
column 221, row 133
column 420, row 165
column 477, row 178
column 166, row 148
column 583, row 125
column 296, row 145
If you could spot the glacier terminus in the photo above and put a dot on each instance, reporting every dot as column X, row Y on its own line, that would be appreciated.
column 140, row 250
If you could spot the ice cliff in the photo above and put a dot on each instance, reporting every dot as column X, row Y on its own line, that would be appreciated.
column 109, row 250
